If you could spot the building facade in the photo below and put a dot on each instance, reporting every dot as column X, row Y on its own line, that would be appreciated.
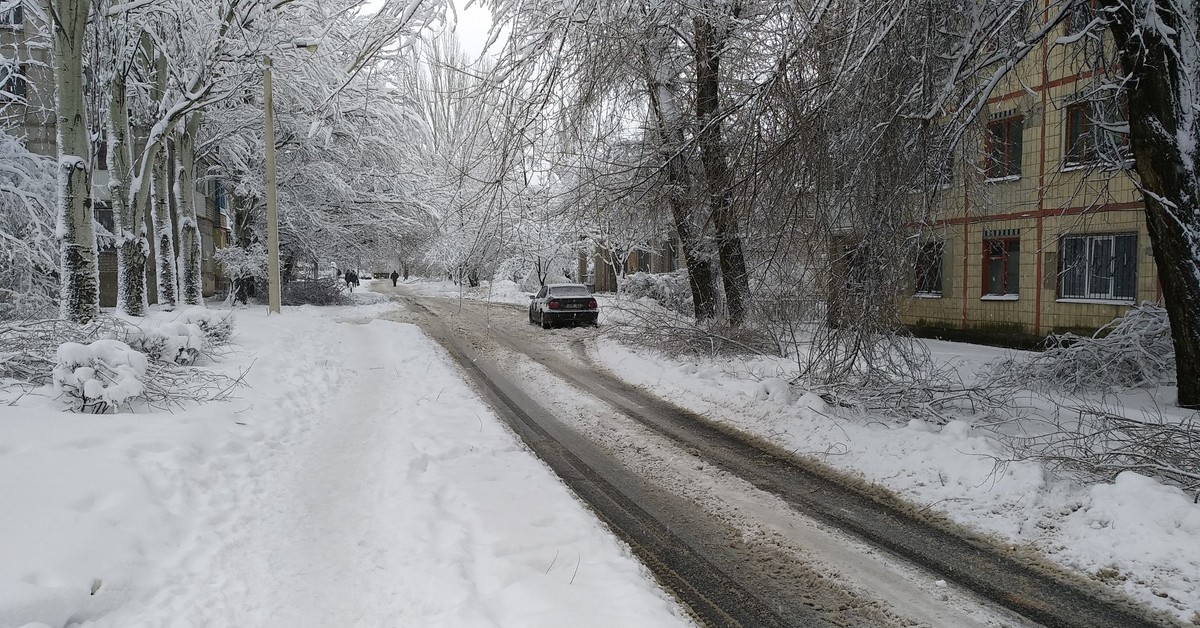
column 1042, row 229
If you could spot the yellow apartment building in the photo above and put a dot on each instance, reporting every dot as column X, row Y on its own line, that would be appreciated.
column 1042, row 230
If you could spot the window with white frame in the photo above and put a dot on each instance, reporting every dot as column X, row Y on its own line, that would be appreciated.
column 1098, row 267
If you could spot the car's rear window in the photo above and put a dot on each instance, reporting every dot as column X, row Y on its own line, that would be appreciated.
column 570, row 291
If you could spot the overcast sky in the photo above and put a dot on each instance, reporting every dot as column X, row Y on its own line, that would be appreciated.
column 472, row 27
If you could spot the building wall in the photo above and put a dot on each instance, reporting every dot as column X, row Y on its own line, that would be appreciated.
column 1050, row 199
column 662, row 257
column 23, row 46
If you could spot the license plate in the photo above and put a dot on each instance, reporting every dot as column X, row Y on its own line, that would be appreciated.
column 572, row 306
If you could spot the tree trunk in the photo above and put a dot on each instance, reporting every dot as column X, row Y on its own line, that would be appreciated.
column 79, row 269
column 163, row 236
column 133, row 249
column 661, row 88
column 190, row 273
column 1164, row 133
column 708, row 47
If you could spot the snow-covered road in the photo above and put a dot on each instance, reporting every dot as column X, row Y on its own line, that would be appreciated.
column 357, row 482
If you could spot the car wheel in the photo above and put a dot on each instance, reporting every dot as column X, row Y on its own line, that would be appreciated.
column 530, row 317
column 546, row 324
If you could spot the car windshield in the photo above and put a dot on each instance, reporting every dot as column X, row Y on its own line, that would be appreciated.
column 570, row 291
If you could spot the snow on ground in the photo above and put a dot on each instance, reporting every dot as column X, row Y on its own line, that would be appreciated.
column 1134, row 533
column 357, row 481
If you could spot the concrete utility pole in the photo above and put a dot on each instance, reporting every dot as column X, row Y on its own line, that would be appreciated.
column 273, row 289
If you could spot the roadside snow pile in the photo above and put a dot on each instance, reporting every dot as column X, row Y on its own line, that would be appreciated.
column 505, row 291
column 94, row 377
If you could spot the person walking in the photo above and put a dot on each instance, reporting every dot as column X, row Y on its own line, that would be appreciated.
column 351, row 280
column 395, row 276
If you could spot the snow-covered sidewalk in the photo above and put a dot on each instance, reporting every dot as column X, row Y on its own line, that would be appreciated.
column 357, row 481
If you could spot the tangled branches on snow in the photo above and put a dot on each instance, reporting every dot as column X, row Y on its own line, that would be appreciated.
column 1098, row 442
column 30, row 346
column 314, row 292
column 674, row 334
column 31, row 356
column 1133, row 351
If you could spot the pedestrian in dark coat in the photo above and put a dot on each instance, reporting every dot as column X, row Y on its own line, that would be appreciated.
column 351, row 280
column 395, row 276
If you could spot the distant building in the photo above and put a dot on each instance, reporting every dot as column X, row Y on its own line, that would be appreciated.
column 656, row 257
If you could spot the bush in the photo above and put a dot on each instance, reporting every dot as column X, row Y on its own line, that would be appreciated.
column 106, row 373
column 217, row 326
column 176, row 342
column 670, row 290
column 314, row 292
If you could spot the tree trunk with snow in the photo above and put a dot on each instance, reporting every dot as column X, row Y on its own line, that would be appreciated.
column 709, row 45
column 164, row 238
column 80, row 275
column 668, row 120
column 190, row 278
column 133, row 249
column 1159, row 50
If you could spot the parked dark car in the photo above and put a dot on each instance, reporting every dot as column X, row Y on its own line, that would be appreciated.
column 563, row 303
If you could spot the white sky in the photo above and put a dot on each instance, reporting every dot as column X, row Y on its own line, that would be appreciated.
column 472, row 27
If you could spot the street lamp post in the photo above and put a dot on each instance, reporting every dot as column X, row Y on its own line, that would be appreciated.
column 273, row 289
column 273, row 283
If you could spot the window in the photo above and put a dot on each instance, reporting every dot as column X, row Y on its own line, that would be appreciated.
column 929, row 268
column 1096, row 132
column 12, row 82
column 12, row 17
column 220, row 198
column 1001, row 266
column 1004, row 147
column 1098, row 267
column 104, row 216
column 1080, row 149
column 641, row 261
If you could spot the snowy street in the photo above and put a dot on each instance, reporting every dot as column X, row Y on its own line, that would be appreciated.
column 357, row 479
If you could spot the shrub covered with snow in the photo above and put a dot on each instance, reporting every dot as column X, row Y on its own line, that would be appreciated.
column 216, row 325
column 94, row 377
column 670, row 290
column 177, row 342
